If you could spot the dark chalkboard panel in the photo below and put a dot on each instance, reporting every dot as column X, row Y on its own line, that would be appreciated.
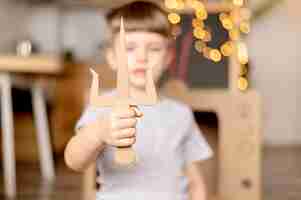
column 201, row 72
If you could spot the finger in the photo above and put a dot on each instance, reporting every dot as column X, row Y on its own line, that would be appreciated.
column 138, row 113
column 124, row 123
column 125, row 142
column 125, row 133
column 124, row 113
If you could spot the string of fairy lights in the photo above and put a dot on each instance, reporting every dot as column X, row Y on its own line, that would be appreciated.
column 236, row 22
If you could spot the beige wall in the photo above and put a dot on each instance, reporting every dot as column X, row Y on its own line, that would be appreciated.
column 11, row 23
column 52, row 28
column 274, row 53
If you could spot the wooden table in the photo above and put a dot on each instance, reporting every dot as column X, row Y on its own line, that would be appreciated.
column 36, row 65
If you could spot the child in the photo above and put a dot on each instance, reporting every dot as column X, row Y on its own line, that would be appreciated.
column 169, row 144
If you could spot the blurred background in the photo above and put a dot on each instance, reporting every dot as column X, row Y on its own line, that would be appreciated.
column 47, row 46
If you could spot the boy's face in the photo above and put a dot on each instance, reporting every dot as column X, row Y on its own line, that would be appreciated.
column 144, row 49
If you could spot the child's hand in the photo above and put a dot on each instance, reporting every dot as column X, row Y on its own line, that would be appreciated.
column 122, row 127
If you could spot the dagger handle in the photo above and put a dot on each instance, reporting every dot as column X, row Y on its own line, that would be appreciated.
column 124, row 155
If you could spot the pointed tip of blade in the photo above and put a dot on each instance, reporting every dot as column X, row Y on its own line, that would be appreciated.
column 122, row 34
column 121, row 24
column 122, row 73
column 92, row 71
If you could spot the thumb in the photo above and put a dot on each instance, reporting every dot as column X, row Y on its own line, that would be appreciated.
column 137, row 111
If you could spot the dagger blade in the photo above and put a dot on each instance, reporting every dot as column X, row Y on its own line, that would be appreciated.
column 122, row 67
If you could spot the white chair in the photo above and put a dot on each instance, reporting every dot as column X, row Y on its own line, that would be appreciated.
column 43, row 137
column 37, row 65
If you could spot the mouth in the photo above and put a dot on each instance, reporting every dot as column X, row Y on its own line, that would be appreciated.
column 139, row 72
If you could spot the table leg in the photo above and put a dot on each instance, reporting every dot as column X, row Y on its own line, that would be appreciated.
column 43, row 136
column 8, row 136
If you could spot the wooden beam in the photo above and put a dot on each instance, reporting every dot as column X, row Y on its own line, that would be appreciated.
column 212, row 7
column 40, row 64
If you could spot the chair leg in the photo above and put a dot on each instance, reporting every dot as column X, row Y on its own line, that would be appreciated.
column 43, row 136
column 8, row 149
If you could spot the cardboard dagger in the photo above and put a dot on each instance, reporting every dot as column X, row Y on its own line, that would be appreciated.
column 123, row 99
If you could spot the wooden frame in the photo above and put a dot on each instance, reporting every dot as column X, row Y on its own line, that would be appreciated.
column 239, row 116
column 240, row 129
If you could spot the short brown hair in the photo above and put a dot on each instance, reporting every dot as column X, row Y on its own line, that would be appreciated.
column 139, row 16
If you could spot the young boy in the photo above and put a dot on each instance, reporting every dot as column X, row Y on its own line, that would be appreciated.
column 169, row 144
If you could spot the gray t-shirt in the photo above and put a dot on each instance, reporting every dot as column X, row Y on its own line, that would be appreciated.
column 167, row 139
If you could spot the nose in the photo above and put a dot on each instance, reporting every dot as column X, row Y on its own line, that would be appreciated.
column 141, row 56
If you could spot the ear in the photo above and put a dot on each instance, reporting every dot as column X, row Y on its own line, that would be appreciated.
column 110, row 57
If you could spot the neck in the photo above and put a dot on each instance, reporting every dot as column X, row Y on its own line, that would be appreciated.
column 137, row 92
column 140, row 92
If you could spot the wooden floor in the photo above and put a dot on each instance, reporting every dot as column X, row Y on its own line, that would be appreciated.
column 281, row 173
column 282, row 178
column 31, row 187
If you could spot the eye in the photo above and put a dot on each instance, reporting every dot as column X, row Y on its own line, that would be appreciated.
column 130, row 48
column 155, row 48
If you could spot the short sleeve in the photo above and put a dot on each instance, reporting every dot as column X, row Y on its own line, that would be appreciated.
column 196, row 148
column 91, row 114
